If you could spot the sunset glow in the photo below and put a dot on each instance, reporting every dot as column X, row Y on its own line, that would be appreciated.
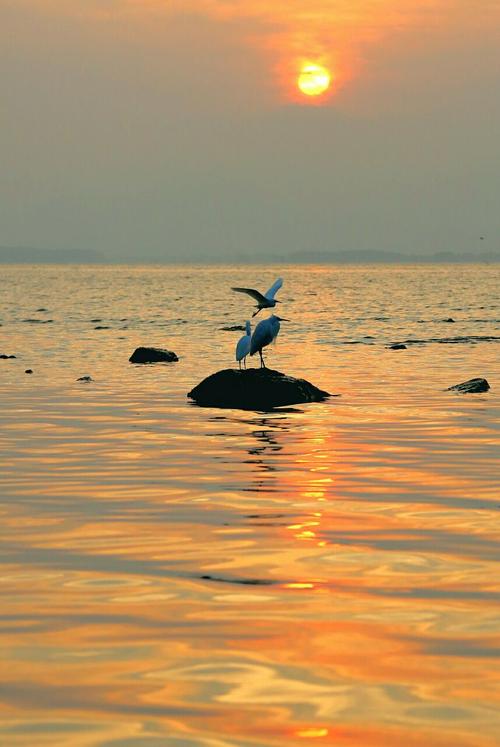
column 314, row 80
column 300, row 45
column 203, row 547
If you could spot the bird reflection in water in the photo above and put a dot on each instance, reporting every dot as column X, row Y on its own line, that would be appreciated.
column 267, row 447
column 270, row 474
column 268, row 432
column 267, row 444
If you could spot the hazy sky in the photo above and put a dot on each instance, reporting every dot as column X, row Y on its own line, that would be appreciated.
column 175, row 128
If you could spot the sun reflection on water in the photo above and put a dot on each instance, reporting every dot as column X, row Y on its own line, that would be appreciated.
column 177, row 574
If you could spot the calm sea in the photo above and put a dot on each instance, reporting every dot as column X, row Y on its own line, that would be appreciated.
column 177, row 576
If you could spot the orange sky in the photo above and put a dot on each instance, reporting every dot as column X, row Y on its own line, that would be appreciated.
column 168, row 103
column 335, row 33
column 331, row 33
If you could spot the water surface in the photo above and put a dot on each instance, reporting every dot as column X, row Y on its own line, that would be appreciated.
column 174, row 575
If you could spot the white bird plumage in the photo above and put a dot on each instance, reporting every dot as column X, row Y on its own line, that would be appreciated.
column 243, row 345
column 266, row 301
column 264, row 334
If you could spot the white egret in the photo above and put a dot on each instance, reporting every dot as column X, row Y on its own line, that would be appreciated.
column 264, row 334
column 266, row 301
column 243, row 345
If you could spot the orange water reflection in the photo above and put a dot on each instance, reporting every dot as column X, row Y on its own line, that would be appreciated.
column 185, row 576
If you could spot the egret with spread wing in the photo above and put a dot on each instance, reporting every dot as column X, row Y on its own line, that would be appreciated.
column 266, row 301
column 264, row 334
column 243, row 345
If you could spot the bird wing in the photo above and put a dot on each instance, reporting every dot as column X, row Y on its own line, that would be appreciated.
column 274, row 288
column 262, row 336
column 243, row 347
column 251, row 292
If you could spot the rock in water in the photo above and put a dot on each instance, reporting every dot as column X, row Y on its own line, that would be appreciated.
column 397, row 346
column 254, row 389
column 152, row 355
column 470, row 387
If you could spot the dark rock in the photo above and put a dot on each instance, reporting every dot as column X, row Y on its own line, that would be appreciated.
column 397, row 346
column 234, row 328
column 254, row 389
column 449, row 320
column 42, row 309
column 6, row 357
column 29, row 371
column 470, row 387
column 152, row 355
column 85, row 378
column 102, row 327
column 96, row 321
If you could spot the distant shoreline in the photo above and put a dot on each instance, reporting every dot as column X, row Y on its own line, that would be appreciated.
column 246, row 262
column 38, row 256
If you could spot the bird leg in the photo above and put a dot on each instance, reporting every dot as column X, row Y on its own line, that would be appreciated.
column 262, row 364
column 239, row 364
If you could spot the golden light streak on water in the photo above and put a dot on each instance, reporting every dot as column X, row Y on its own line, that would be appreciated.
column 188, row 576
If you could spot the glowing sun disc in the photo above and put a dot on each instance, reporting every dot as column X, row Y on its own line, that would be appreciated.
column 314, row 80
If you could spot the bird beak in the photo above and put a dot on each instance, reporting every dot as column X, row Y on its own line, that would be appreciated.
column 282, row 319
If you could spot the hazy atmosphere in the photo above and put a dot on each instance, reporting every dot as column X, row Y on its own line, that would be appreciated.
column 157, row 130
column 249, row 336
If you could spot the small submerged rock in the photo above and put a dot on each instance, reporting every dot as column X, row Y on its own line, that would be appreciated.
column 38, row 321
column 234, row 328
column 254, row 389
column 397, row 346
column 29, row 371
column 152, row 355
column 472, row 386
column 6, row 357
column 85, row 378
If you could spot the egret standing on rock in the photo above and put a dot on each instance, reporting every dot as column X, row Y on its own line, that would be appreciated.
column 243, row 345
column 266, row 301
column 264, row 334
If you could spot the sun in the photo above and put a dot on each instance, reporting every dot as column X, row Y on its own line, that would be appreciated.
column 314, row 80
